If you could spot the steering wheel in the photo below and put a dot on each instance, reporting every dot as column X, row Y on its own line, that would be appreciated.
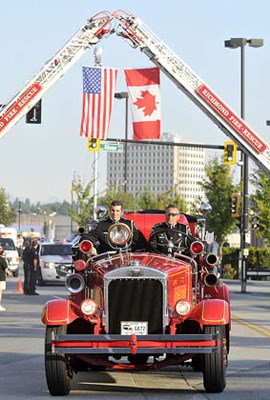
column 173, row 244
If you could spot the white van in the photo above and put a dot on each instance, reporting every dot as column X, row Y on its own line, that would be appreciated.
column 8, row 232
column 12, row 254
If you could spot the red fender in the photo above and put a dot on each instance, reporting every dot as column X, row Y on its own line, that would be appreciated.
column 211, row 312
column 60, row 312
column 220, row 291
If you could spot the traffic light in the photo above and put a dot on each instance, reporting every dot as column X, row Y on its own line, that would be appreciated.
column 234, row 205
column 34, row 115
column 255, row 222
column 230, row 149
column 93, row 144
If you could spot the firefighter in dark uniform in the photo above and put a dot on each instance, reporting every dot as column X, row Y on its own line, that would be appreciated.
column 167, row 236
column 99, row 235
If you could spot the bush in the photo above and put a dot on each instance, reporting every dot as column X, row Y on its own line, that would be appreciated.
column 229, row 262
column 258, row 258
column 228, row 272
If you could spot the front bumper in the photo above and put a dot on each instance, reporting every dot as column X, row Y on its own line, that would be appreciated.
column 131, row 345
column 13, row 267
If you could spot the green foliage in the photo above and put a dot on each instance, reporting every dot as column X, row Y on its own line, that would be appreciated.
column 7, row 215
column 261, row 203
column 83, row 211
column 218, row 187
column 114, row 194
column 259, row 258
column 147, row 200
column 29, row 208
column 228, row 272
column 230, row 255
column 144, row 200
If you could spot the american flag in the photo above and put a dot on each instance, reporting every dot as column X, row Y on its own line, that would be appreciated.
column 98, row 93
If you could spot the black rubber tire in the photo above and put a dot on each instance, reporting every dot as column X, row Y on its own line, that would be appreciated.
column 214, row 371
column 197, row 363
column 59, row 374
column 40, row 281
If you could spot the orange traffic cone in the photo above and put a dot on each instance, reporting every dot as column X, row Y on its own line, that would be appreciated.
column 19, row 287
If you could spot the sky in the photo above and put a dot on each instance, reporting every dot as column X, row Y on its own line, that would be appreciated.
column 39, row 161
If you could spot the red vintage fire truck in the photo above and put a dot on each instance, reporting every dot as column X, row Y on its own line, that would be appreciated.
column 139, row 311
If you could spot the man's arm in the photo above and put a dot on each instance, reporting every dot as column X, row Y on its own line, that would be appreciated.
column 139, row 241
column 94, row 237
column 35, row 263
column 153, row 244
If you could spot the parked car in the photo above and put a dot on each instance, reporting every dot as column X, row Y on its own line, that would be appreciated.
column 55, row 260
column 12, row 255
column 139, row 310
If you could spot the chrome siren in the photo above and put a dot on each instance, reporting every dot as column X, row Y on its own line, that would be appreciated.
column 75, row 283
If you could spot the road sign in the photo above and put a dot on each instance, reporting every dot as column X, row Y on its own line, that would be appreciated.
column 112, row 147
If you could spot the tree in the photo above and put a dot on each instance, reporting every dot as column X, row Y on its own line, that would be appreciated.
column 6, row 214
column 144, row 200
column 114, row 194
column 83, row 211
column 148, row 200
column 218, row 187
column 261, row 202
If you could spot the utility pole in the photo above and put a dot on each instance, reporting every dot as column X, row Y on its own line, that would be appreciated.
column 98, row 63
column 124, row 95
column 234, row 43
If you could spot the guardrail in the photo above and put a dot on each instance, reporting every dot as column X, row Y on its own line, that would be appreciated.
column 258, row 272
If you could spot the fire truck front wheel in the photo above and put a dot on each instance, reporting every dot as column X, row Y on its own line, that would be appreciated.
column 58, row 371
column 214, row 369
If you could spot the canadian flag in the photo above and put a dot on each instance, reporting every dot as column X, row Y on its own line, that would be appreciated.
column 144, row 97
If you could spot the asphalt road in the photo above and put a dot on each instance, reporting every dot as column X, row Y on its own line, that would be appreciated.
column 22, row 362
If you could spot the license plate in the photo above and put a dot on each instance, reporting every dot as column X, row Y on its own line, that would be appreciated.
column 137, row 327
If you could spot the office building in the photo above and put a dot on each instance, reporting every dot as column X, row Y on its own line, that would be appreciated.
column 160, row 168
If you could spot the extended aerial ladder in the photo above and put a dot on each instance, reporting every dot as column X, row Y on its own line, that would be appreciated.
column 139, row 36
column 87, row 36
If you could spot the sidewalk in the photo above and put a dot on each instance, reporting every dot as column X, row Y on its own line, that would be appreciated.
column 252, row 287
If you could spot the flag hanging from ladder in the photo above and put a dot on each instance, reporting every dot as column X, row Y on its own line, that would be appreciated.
column 98, row 93
column 144, row 96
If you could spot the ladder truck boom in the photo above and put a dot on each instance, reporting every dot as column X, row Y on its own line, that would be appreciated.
column 87, row 36
column 138, row 35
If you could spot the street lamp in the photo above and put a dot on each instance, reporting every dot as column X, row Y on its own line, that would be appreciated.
column 124, row 95
column 19, row 216
column 234, row 43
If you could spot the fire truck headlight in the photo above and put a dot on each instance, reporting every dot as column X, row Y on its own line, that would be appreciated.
column 89, row 307
column 182, row 307
column 119, row 234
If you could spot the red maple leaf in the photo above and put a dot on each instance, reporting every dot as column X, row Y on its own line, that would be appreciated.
column 147, row 102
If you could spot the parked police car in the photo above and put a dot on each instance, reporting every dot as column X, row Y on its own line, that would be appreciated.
column 55, row 259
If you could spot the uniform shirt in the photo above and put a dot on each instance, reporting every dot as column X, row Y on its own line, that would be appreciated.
column 30, row 254
column 99, row 236
column 3, row 267
column 163, row 232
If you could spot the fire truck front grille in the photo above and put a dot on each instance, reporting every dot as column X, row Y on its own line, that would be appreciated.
column 135, row 300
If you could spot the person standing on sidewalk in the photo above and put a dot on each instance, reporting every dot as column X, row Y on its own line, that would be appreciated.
column 31, row 260
column 3, row 272
column 26, row 284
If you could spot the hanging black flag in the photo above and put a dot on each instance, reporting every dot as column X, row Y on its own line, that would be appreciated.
column 34, row 115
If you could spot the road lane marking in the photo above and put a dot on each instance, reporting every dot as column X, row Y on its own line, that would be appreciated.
column 263, row 330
